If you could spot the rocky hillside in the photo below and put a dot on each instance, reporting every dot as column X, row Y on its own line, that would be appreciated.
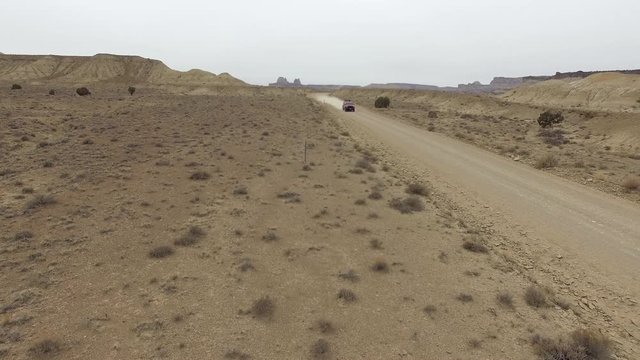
column 601, row 91
column 103, row 68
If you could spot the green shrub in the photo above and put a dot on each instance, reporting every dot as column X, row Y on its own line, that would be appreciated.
column 382, row 102
column 550, row 118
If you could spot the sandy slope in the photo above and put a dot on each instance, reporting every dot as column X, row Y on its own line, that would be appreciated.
column 133, row 70
column 604, row 91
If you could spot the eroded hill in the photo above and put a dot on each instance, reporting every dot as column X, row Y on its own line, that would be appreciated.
column 103, row 68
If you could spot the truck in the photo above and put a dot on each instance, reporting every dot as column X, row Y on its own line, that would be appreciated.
column 348, row 106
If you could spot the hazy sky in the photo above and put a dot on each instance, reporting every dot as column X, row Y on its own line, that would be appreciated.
column 338, row 41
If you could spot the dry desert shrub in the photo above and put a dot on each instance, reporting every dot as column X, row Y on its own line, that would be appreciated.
column 194, row 235
column 236, row 355
column 16, row 87
column 240, row 190
column 546, row 162
column 350, row 275
column 40, row 201
column 582, row 344
column 464, row 297
column 360, row 202
column 263, row 308
column 347, row 295
column 200, row 175
column 380, row 266
column 631, row 183
column 375, row 244
column 83, row 91
column 417, row 189
column 161, row 252
column 365, row 164
column 505, row 299
column 375, row 195
column 320, row 349
column 325, row 326
column 270, row 236
column 536, row 296
column 407, row 205
column 474, row 244
column 45, row 349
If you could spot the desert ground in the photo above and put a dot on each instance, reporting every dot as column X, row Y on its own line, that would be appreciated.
column 597, row 147
column 233, row 222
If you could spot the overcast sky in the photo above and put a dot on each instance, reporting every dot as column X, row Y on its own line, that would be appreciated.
column 338, row 41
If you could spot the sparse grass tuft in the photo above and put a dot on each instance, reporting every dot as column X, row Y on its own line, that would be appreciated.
column 200, row 175
column 582, row 344
column 161, row 252
column 407, row 205
column 23, row 236
column 347, row 295
column 263, row 308
column 194, row 235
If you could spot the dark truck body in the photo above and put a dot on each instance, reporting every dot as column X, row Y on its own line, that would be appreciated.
column 348, row 106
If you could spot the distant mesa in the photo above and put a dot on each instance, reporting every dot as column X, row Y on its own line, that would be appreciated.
column 284, row 83
column 104, row 68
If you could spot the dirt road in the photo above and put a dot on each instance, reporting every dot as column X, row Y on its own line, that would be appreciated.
column 591, row 228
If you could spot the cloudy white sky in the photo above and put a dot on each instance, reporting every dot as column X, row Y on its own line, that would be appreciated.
column 338, row 41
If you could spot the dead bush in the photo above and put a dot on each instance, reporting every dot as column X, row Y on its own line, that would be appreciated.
column 52, row 92
column 16, row 87
column 464, row 297
column 582, row 344
column 407, row 205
